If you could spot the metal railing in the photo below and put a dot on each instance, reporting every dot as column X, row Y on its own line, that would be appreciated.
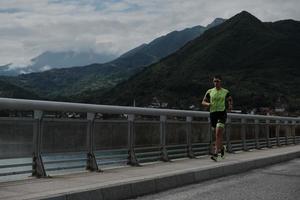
column 40, row 145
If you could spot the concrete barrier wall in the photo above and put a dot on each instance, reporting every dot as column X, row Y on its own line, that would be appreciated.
column 64, row 136
column 110, row 135
column 16, row 138
column 147, row 134
column 200, row 133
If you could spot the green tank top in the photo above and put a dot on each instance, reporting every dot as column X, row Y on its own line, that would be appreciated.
column 217, row 99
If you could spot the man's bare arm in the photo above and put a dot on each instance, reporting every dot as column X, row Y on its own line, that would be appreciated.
column 205, row 102
column 230, row 103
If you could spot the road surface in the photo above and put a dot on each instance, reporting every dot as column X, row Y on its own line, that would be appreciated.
column 281, row 181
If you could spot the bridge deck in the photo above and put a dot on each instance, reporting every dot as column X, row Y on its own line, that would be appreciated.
column 130, row 182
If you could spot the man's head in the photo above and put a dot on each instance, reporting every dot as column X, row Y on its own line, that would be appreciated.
column 217, row 81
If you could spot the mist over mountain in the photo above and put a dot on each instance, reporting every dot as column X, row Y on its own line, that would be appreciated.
column 59, row 84
column 49, row 60
column 259, row 63
column 216, row 22
column 6, row 71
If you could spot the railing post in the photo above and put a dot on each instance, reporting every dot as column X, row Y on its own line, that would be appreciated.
column 277, row 132
column 38, row 168
column 189, row 137
column 210, row 133
column 268, row 133
column 228, row 133
column 243, row 133
column 91, row 159
column 286, row 123
column 294, row 131
column 163, row 147
column 256, row 122
column 132, row 160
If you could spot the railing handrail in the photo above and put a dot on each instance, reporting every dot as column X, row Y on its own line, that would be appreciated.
column 25, row 104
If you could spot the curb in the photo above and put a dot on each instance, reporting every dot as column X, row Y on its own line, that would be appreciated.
column 157, row 184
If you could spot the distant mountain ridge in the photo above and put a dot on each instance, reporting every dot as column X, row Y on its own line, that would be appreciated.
column 259, row 63
column 60, row 83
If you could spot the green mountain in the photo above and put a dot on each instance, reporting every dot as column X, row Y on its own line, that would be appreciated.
column 259, row 63
column 12, row 91
column 62, row 83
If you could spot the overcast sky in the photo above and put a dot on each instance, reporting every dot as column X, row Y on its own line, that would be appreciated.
column 30, row 27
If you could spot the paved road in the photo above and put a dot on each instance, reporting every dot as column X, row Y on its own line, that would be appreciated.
column 281, row 181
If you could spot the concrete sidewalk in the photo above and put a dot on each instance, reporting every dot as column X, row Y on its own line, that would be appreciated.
column 129, row 182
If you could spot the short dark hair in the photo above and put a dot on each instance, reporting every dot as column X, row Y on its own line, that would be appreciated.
column 218, row 77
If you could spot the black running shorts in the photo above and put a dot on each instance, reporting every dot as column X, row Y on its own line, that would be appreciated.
column 218, row 117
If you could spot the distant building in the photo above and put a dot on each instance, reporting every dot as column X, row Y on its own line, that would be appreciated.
column 236, row 111
column 192, row 107
column 164, row 104
column 280, row 110
column 157, row 104
column 281, row 105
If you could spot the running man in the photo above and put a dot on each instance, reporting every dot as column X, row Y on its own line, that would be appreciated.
column 216, row 99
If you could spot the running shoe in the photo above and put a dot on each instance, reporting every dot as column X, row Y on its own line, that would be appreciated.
column 214, row 157
column 223, row 152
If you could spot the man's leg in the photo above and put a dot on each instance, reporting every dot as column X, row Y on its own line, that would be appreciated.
column 213, row 140
column 218, row 140
column 214, row 120
column 219, row 136
column 214, row 145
